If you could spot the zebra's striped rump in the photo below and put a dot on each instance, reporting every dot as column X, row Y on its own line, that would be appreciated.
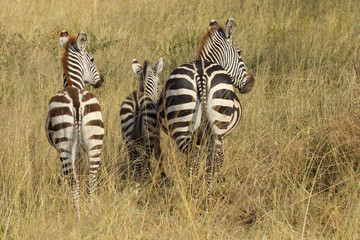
column 75, row 127
column 188, row 99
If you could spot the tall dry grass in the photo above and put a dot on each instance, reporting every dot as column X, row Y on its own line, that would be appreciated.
column 291, row 166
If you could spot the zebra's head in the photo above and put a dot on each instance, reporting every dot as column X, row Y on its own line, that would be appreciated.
column 217, row 46
column 78, row 63
column 148, row 77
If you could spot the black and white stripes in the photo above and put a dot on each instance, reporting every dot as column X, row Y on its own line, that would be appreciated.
column 78, row 63
column 138, row 120
column 198, row 105
column 74, row 125
column 217, row 47
column 198, row 108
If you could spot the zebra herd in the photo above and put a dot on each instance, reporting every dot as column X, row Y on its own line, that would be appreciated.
column 197, row 107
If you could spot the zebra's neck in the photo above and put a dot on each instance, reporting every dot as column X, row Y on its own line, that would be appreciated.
column 143, row 77
column 73, row 69
column 211, row 49
column 150, row 82
column 216, row 48
column 151, row 87
column 72, row 83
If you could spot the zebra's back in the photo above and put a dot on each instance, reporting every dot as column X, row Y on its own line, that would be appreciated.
column 196, row 92
column 138, row 117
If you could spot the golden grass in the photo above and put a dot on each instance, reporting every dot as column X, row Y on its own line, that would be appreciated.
column 291, row 166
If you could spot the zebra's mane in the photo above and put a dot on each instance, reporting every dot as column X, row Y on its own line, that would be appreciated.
column 143, row 75
column 213, row 28
column 70, row 45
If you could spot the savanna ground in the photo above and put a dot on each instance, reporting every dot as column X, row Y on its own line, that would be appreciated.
column 291, row 166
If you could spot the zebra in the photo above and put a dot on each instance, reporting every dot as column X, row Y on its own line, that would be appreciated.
column 139, row 126
column 198, row 106
column 74, row 125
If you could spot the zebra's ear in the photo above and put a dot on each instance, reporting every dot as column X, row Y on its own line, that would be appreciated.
column 159, row 66
column 230, row 28
column 81, row 41
column 64, row 37
column 137, row 68
column 213, row 23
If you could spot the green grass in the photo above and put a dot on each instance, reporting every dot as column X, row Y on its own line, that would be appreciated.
column 291, row 166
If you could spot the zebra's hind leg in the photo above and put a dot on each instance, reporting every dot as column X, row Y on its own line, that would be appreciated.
column 67, row 153
column 193, row 154
column 144, row 162
column 69, row 173
column 159, row 157
column 214, row 162
column 94, row 163
column 75, row 186
column 219, row 159
column 90, row 158
column 194, row 164
column 92, row 186
column 133, row 161
column 138, row 169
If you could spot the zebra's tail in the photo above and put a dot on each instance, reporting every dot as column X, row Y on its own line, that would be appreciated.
column 75, row 158
column 77, row 137
column 201, row 86
column 205, row 135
